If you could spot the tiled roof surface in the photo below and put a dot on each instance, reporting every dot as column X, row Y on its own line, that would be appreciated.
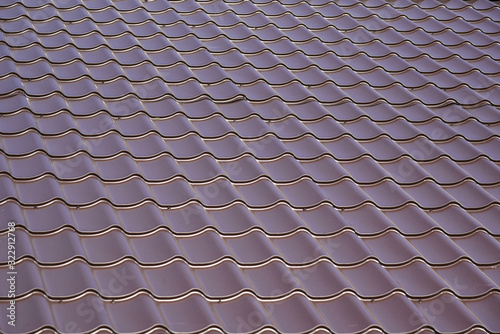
column 251, row 166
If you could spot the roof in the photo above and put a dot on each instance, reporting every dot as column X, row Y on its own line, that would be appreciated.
column 251, row 166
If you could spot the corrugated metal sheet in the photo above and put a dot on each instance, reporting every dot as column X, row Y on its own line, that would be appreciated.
column 251, row 166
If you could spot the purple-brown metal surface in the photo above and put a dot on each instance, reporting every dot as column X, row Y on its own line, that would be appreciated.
column 291, row 166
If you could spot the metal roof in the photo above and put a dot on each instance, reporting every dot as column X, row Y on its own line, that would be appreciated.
column 253, row 166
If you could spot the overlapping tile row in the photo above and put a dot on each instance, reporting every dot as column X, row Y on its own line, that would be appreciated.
column 251, row 166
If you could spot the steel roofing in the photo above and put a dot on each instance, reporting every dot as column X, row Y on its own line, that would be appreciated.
column 251, row 166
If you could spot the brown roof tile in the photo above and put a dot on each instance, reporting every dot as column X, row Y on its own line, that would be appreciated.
column 251, row 166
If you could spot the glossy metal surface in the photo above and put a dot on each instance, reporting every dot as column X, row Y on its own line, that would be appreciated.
column 251, row 166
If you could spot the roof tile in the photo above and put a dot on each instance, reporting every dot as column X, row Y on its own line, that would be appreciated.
column 271, row 166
